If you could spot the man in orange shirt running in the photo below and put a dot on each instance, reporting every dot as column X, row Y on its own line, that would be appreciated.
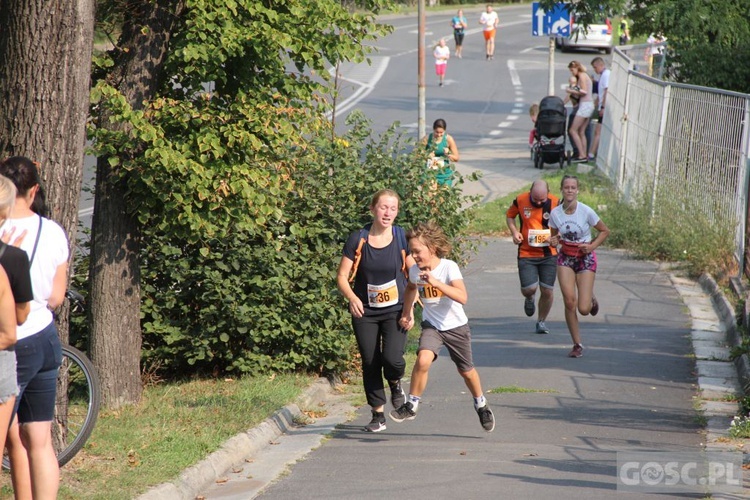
column 537, row 260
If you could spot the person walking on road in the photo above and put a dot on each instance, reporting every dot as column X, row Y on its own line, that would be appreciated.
column 537, row 259
column 440, row 286
column 458, row 23
column 34, row 469
column 571, row 224
column 601, row 69
column 490, row 21
column 376, row 258
column 441, row 54
column 623, row 30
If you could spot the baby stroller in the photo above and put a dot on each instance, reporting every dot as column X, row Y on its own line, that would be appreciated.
column 551, row 129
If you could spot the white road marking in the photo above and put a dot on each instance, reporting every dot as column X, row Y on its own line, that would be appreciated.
column 368, row 78
column 514, row 78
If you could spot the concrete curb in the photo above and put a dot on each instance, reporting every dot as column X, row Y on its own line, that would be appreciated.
column 203, row 474
column 729, row 318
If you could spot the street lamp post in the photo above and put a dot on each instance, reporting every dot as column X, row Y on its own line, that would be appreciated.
column 420, row 69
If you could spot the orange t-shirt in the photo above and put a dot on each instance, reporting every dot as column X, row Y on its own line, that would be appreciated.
column 534, row 225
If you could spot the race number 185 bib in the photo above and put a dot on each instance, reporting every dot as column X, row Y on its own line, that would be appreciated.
column 382, row 295
column 539, row 237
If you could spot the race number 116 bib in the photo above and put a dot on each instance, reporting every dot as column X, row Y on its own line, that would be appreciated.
column 383, row 295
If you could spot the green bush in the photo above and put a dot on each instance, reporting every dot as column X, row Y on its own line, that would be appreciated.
column 261, row 296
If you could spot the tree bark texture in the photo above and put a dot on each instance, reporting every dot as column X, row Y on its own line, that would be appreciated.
column 115, row 267
column 45, row 69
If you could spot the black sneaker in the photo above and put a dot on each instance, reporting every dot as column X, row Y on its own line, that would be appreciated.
column 377, row 423
column 404, row 412
column 398, row 397
column 528, row 306
column 486, row 418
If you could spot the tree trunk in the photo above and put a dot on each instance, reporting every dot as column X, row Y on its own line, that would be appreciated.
column 115, row 267
column 45, row 69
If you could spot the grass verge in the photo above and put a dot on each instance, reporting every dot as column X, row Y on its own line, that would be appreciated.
column 673, row 231
column 175, row 426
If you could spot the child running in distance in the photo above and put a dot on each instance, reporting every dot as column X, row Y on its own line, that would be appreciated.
column 441, row 287
column 441, row 53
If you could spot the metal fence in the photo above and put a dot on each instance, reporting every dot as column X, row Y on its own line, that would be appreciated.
column 660, row 138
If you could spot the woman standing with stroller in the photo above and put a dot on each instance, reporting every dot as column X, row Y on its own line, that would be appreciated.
column 585, row 109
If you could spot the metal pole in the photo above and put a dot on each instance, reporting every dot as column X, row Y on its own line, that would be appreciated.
column 420, row 69
column 551, row 86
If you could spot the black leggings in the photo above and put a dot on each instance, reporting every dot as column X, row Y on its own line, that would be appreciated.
column 458, row 36
column 381, row 344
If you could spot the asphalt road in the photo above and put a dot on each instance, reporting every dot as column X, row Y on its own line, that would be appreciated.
column 632, row 390
column 560, row 421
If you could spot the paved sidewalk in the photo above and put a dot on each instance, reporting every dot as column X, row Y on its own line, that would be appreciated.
column 655, row 345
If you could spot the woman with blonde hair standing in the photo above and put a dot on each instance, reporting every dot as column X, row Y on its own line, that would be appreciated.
column 14, row 305
column 585, row 109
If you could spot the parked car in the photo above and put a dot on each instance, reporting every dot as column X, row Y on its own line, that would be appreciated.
column 597, row 36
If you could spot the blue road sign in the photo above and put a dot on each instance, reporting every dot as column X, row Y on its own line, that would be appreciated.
column 554, row 22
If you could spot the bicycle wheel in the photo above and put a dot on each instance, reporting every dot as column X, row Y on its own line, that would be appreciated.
column 77, row 404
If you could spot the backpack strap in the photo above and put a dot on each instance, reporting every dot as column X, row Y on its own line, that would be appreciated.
column 363, row 233
column 398, row 234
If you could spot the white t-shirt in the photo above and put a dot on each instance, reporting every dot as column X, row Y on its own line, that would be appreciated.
column 442, row 312
column 603, row 86
column 441, row 52
column 575, row 227
column 488, row 19
column 51, row 251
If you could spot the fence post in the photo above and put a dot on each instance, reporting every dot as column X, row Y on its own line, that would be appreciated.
column 624, row 131
column 742, row 254
column 660, row 143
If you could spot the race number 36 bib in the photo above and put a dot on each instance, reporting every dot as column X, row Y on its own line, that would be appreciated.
column 382, row 295
column 429, row 294
column 539, row 237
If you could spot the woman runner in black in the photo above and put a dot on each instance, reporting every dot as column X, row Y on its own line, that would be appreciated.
column 377, row 256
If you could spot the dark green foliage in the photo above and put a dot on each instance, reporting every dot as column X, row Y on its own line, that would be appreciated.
column 264, row 298
column 709, row 40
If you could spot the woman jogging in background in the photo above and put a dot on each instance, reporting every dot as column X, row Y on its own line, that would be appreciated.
column 377, row 258
column 34, row 470
column 571, row 224
column 442, row 291
column 458, row 23
column 442, row 151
